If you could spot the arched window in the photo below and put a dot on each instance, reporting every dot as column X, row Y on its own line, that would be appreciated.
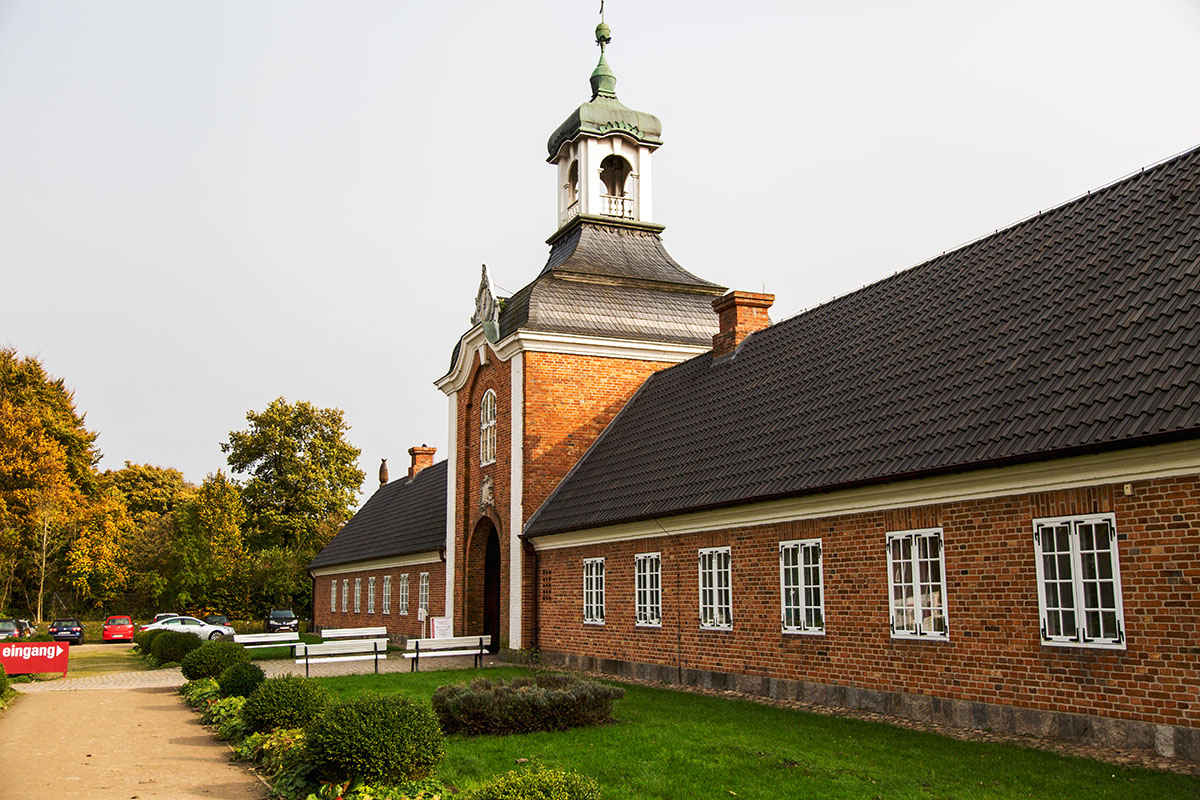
column 614, row 173
column 487, row 428
column 573, row 183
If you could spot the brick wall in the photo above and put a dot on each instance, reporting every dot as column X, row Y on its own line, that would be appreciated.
column 994, row 653
column 396, row 623
column 470, row 549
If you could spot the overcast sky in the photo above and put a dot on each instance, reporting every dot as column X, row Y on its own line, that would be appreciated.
column 207, row 205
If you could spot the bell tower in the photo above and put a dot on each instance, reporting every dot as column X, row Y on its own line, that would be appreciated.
column 603, row 152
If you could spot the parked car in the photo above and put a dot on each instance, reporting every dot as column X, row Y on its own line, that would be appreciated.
column 9, row 628
column 161, row 616
column 191, row 625
column 217, row 619
column 281, row 619
column 67, row 629
column 26, row 628
column 118, row 629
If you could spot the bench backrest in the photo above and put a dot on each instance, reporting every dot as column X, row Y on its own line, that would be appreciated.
column 336, row 648
column 263, row 638
column 352, row 633
column 448, row 643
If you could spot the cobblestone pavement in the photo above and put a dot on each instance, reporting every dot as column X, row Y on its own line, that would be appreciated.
column 172, row 677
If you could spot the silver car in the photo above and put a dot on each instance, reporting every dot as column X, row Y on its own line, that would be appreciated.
column 190, row 625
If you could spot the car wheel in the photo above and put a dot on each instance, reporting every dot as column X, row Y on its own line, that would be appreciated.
column 212, row 637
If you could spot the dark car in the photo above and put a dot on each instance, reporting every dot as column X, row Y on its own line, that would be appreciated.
column 9, row 629
column 67, row 630
column 217, row 619
column 281, row 619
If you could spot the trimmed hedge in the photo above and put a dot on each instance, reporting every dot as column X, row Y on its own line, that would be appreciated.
column 239, row 680
column 3, row 680
column 211, row 659
column 145, row 639
column 285, row 702
column 543, row 702
column 386, row 739
column 172, row 646
column 537, row 783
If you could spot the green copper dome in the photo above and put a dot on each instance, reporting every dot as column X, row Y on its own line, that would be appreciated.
column 605, row 113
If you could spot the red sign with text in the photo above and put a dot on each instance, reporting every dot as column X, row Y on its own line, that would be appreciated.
column 29, row 657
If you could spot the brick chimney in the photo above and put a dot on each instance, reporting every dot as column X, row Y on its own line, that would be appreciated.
column 422, row 457
column 741, row 314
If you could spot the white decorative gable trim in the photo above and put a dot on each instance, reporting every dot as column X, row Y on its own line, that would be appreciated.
column 475, row 344
column 410, row 560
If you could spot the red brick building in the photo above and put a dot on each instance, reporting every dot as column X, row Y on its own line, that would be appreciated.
column 968, row 493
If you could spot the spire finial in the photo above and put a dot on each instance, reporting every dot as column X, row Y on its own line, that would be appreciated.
column 604, row 82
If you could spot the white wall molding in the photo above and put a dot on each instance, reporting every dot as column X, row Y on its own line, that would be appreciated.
column 451, row 494
column 515, row 497
column 474, row 345
column 410, row 560
column 1136, row 464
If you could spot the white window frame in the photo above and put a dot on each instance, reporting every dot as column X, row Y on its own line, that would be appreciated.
column 487, row 428
column 923, row 596
column 403, row 595
column 593, row 591
column 386, row 603
column 1076, row 558
column 358, row 595
column 423, row 593
column 647, row 590
column 802, row 587
column 333, row 596
column 371, row 595
column 716, row 588
column 345, row 594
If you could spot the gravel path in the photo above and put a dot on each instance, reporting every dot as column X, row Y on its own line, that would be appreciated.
column 134, row 744
column 172, row 677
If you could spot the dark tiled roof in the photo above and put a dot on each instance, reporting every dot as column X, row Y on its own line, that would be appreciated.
column 401, row 517
column 1074, row 331
column 606, row 279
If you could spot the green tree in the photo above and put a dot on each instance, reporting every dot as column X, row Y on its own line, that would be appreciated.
column 208, row 551
column 98, row 562
column 149, row 491
column 303, row 475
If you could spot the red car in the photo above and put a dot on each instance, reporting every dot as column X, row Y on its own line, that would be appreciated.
column 118, row 629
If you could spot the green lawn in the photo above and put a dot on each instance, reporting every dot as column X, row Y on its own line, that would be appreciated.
column 112, row 658
column 670, row 744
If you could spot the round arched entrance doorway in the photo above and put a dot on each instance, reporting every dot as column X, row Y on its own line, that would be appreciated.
column 483, row 582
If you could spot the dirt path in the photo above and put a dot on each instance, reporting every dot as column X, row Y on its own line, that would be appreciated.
column 123, row 743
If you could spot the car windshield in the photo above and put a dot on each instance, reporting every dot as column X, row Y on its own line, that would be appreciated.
column 65, row 623
column 277, row 614
column 119, row 621
column 7, row 625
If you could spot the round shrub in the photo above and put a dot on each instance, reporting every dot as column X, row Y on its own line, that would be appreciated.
column 170, row 646
column 537, row 783
column 145, row 639
column 210, row 659
column 285, row 702
column 380, row 738
column 239, row 680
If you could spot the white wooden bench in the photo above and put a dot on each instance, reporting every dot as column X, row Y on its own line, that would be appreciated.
column 354, row 650
column 254, row 641
column 449, row 646
column 353, row 633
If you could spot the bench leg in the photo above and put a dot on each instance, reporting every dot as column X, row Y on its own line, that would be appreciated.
column 375, row 648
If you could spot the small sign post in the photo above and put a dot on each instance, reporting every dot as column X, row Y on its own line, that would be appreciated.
column 443, row 627
column 24, row 658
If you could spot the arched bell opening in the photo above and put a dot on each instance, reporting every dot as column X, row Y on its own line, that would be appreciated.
column 614, row 175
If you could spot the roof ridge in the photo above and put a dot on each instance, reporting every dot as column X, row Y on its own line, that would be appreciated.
column 1087, row 195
